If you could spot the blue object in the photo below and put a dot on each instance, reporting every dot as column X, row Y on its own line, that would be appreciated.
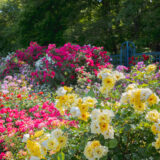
column 128, row 50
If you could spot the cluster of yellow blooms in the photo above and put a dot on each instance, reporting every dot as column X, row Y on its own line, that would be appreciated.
column 139, row 97
column 39, row 144
column 151, row 68
column 64, row 98
column 78, row 106
column 81, row 106
column 109, row 79
column 94, row 150
column 101, row 123
column 154, row 116
column 157, row 143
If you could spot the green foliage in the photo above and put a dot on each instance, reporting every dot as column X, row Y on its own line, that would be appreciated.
column 133, row 136
column 112, row 22
column 9, row 11
column 44, row 21
column 105, row 23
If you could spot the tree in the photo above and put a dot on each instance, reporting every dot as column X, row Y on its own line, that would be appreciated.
column 113, row 22
column 45, row 21
column 9, row 11
column 105, row 23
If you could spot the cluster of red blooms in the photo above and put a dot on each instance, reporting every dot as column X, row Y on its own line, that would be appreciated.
column 57, row 61
column 145, row 57
column 21, row 57
column 18, row 121
column 133, row 60
column 13, row 120
column 31, row 54
column 70, row 57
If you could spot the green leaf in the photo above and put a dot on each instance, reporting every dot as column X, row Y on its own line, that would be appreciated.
column 124, row 139
column 113, row 143
column 117, row 157
column 91, row 93
column 127, row 127
column 149, row 146
column 143, row 85
column 61, row 156
column 99, row 101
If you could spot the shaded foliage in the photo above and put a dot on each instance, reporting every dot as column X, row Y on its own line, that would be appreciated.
column 105, row 23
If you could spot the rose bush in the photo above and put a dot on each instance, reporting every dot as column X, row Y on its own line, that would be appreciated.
column 109, row 113
column 48, row 64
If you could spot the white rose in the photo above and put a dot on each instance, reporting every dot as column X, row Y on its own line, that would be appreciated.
column 75, row 112
column 56, row 133
column 61, row 91
column 34, row 158
column 145, row 93
column 25, row 137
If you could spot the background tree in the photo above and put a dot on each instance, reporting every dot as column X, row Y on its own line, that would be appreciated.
column 9, row 11
column 45, row 21
column 105, row 23
column 113, row 22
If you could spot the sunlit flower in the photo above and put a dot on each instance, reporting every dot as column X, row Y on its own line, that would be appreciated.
column 153, row 116
column 153, row 99
column 75, row 111
column 52, row 144
column 61, row 91
column 151, row 68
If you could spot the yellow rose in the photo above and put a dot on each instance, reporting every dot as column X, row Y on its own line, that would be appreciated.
column 108, row 82
column 140, row 107
column 153, row 99
column 98, row 152
column 157, row 143
column 62, row 141
column 95, row 144
column 52, row 144
column 154, row 129
column 38, row 134
column 103, row 118
column 84, row 116
column 104, row 126
column 83, row 107
column 151, row 68
column 89, row 101
column 68, row 89
column 34, row 148
column 88, row 152
column 104, row 90
column 152, row 116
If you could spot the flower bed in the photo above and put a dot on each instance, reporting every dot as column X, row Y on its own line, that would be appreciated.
column 109, row 114
column 54, row 65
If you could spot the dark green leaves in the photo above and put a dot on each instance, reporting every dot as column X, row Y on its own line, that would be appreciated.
column 112, row 143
